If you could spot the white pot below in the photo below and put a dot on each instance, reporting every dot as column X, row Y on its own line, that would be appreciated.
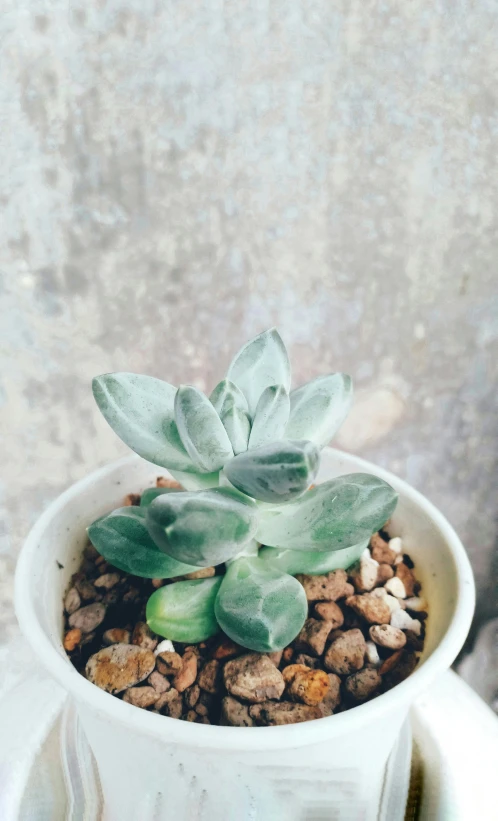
column 169, row 770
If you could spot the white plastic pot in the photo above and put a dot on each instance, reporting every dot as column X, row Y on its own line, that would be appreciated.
column 154, row 767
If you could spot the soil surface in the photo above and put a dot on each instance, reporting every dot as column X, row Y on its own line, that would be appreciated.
column 364, row 634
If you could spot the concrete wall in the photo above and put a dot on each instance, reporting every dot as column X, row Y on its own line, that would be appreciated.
column 179, row 176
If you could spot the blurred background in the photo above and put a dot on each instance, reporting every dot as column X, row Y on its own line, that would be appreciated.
column 177, row 177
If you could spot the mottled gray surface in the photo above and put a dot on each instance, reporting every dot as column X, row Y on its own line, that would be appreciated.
column 179, row 176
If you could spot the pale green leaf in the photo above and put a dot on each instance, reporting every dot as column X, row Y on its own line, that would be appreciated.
column 238, row 426
column 318, row 409
column 201, row 430
column 227, row 395
column 140, row 409
column 311, row 563
column 196, row 481
column 276, row 472
column 261, row 362
column 271, row 417
column 184, row 611
column 260, row 607
column 203, row 528
column 152, row 493
column 123, row 540
column 331, row 516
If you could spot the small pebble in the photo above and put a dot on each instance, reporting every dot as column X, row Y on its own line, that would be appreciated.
column 331, row 612
column 191, row 695
column 202, row 573
column 107, row 581
column 364, row 574
column 372, row 654
column 188, row 672
column 332, row 697
column 363, row 684
column 406, row 576
column 313, row 636
column 88, row 618
column 72, row 601
column 346, row 654
column 381, row 551
column 169, row 664
column 396, row 545
column 385, row 635
column 116, row 635
column 308, row 686
column 253, row 677
column 169, row 704
column 275, row 657
column 308, row 661
column 385, row 572
column 165, row 646
column 395, row 587
column 330, row 587
column 141, row 696
column 143, row 636
column 163, row 481
column 72, row 639
column 403, row 621
column 119, row 667
column 227, row 649
column 159, row 682
column 209, row 678
column 416, row 604
column 235, row 714
column 279, row 713
column 372, row 608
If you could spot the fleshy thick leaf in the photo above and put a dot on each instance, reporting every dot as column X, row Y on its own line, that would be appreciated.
column 271, row 417
column 260, row 607
column 311, row 563
column 196, row 481
column 184, row 611
column 152, row 493
column 238, row 426
column 204, row 528
column 261, row 362
column 201, row 430
column 140, row 409
column 319, row 408
column 276, row 472
column 334, row 515
column 227, row 395
column 123, row 540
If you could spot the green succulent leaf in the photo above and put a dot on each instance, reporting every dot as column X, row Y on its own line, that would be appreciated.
column 261, row 362
column 238, row 426
column 313, row 564
column 331, row 516
column 152, row 493
column 122, row 539
column 227, row 395
column 260, row 607
column 203, row 528
column 196, row 481
column 275, row 472
column 201, row 430
column 318, row 409
column 184, row 611
column 271, row 417
column 140, row 409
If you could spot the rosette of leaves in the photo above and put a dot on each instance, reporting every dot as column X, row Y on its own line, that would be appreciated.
column 247, row 456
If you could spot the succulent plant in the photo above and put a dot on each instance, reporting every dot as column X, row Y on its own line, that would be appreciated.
column 246, row 457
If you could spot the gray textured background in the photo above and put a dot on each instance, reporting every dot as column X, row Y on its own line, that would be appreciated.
column 178, row 176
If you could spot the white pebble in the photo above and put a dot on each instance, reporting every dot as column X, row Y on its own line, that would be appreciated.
column 391, row 601
column 165, row 646
column 403, row 621
column 396, row 587
column 369, row 569
column 416, row 603
column 372, row 654
column 396, row 544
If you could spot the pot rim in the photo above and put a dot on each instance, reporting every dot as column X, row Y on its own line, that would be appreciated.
column 243, row 738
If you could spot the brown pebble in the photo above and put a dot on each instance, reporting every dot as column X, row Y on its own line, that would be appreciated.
column 331, row 612
column 330, row 587
column 235, row 714
column 119, row 667
column 159, row 682
column 309, row 687
column 390, row 663
column 287, row 654
column 275, row 657
column 90, row 552
column 87, row 638
column 101, row 562
column 169, row 663
column 292, row 670
column 406, row 664
column 131, row 595
column 205, row 703
column 116, row 635
column 404, row 573
column 413, row 642
column 372, row 608
column 88, row 618
column 227, row 649
column 72, row 602
column 387, row 636
column 143, row 636
column 202, row 573
column 209, row 678
column 381, row 551
column 157, row 583
column 169, row 704
column 162, row 481
column 107, row 581
column 253, row 677
column 132, row 500
column 363, row 684
column 72, row 639
column 384, row 573
column 141, row 696
column 191, row 695
column 188, row 672
column 87, row 591
column 309, row 661
column 278, row 713
column 346, row 654
column 313, row 636
column 191, row 716
column 333, row 696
